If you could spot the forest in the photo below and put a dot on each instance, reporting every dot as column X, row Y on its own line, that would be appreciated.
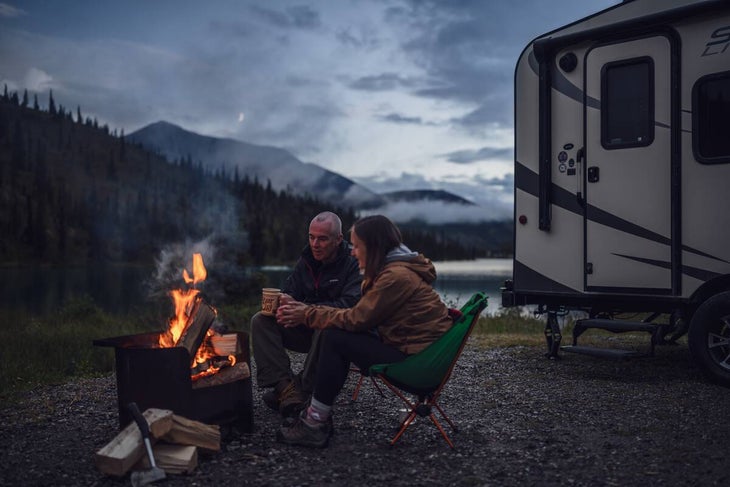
column 73, row 192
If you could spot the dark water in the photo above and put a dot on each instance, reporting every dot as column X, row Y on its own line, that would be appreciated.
column 120, row 288
column 43, row 290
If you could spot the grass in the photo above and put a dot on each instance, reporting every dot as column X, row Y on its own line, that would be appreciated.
column 56, row 348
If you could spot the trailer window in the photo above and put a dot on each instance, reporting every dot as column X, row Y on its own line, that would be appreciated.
column 710, row 115
column 627, row 103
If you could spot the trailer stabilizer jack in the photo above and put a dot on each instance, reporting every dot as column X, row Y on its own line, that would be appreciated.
column 553, row 336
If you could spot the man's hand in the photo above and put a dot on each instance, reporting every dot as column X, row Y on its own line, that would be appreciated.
column 290, row 312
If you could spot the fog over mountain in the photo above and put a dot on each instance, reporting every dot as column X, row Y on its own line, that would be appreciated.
column 286, row 172
column 279, row 166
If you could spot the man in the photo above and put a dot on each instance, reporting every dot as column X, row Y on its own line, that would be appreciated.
column 325, row 274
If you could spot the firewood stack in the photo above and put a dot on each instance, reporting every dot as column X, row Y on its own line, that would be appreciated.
column 176, row 441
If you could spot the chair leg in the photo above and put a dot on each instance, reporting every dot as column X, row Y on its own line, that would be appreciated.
column 443, row 415
column 441, row 429
column 412, row 407
column 404, row 426
column 358, row 386
column 375, row 383
column 356, row 392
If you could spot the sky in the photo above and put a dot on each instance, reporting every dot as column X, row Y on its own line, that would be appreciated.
column 394, row 94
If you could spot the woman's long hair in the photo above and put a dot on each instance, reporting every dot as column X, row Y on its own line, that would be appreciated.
column 380, row 236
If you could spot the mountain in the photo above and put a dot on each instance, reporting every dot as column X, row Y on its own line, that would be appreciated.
column 287, row 173
column 280, row 167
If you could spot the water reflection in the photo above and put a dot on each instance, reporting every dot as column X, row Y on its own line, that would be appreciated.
column 41, row 290
column 458, row 280
column 121, row 288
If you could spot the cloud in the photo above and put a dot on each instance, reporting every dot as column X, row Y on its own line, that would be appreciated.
column 493, row 196
column 298, row 16
column 493, row 110
column 382, row 82
column 9, row 12
column 323, row 81
column 433, row 212
column 360, row 37
column 37, row 80
column 396, row 118
column 483, row 154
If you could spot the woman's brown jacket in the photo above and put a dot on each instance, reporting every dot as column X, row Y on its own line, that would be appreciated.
column 400, row 303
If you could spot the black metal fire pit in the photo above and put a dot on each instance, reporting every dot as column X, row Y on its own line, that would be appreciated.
column 156, row 377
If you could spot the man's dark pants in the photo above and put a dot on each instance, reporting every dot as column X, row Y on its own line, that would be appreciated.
column 270, row 342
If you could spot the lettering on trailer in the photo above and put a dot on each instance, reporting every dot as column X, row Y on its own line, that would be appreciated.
column 721, row 42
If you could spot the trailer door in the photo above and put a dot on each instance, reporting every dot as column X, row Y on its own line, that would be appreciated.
column 628, row 167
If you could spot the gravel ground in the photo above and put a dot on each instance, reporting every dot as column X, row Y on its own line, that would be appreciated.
column 523, row 420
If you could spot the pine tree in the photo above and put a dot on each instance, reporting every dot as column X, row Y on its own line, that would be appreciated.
column 122, row 146
column 79, row 118
column 24, row 103
column 51, row 103
column 36, row 106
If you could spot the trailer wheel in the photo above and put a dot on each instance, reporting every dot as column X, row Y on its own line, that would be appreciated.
column 709, row 338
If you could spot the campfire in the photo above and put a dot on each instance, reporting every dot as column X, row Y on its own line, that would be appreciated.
column 194, row 367
column 190, row 327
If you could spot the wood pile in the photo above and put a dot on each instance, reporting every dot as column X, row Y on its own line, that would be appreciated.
column 175, row 439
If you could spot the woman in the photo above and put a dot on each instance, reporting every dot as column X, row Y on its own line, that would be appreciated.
column 398, row 302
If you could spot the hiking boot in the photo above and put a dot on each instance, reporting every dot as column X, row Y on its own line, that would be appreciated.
column 271, row 399
column 301, row 434
column 291, row 400
column 289, row 421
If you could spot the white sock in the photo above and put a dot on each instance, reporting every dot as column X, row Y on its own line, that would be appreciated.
column 317, row 412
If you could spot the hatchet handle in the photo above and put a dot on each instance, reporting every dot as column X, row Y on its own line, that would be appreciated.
column 144, row 428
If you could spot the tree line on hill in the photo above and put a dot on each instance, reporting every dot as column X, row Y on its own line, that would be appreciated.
column 72, row 192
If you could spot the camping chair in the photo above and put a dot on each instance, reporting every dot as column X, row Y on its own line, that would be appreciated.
column 425, row 373
column 455, row 315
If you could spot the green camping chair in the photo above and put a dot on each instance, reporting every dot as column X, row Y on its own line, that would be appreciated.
column 424, row 374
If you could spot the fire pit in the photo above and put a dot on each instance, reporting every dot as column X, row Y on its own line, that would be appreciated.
column 190, row 368
column 160, row 378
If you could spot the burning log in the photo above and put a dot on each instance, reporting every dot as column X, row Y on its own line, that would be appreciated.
column 193, row 316
column 201, row 318
column 211, row 366
column 229, row 374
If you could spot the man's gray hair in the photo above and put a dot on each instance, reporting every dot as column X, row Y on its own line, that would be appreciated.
column 333, row 219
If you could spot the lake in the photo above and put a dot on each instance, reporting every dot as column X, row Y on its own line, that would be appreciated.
column 457, row 280
column 119, row 288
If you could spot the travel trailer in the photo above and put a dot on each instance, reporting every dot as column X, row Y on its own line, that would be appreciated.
column 622, row 177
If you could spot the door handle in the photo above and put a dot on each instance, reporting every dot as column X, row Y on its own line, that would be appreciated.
column 593, row 174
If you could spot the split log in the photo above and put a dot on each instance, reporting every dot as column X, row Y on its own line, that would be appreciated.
column 120, row 454
column 173, row 459
column 225, row 344
column 201, row 317
column 185, row 431
column 236, row 372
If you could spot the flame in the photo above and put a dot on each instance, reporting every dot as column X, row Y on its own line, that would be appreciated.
column 214, row 365
column 183, row 300
column 206, row 362
column 199, row 272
